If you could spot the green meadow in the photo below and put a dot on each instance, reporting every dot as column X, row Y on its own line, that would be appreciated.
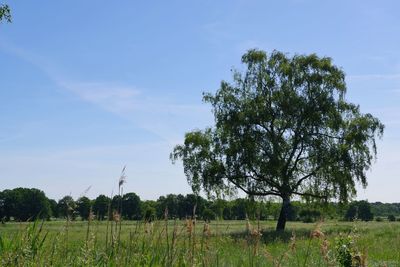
column 196, row 243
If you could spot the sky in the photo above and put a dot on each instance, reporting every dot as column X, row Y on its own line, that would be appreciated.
column 87, row 87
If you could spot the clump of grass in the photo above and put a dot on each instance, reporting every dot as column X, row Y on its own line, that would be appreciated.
column 26, row 245
column 347, row 253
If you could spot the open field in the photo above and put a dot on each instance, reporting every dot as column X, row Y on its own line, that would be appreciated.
column 220, row 243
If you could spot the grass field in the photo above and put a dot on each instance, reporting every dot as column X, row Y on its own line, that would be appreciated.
column 185, row 243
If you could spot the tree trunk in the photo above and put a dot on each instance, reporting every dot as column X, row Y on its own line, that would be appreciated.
column 283, row 214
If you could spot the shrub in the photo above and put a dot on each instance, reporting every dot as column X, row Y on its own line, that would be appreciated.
column 347, row 253
column 208, row 214
column 364, row 211
column 351, row 213
column 343, row 251
column 391, row 218
column 309, row 216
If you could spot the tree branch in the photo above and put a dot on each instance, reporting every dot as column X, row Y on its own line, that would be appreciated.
column 306, row 177
column 253, row 193
column 260, row 178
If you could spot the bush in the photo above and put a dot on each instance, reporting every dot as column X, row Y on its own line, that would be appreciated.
column 379, row 219
column 309, row 216
column 351, row 212
column 208, row 215
column 149, row 214
column 364, row 211
column 391, row 218
column 360, row 210
column 347, row 253
column 343, row 249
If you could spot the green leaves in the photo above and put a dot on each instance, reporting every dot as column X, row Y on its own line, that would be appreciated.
column 5, row 13
column 282, row 127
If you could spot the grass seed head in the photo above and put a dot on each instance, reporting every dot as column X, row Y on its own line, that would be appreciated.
column 325, row 250
column 317, row 233
column 189, row 226
column 116, row 216
column 206, row 230
column 292, row 244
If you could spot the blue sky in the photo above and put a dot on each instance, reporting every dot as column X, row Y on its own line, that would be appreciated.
column 89, row 86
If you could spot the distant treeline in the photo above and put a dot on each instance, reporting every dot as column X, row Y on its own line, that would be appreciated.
column 22, row 204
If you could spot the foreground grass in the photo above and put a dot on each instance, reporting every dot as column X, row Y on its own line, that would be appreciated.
column 188, row 243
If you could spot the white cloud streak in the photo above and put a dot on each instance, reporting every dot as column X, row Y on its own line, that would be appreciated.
column 114, row 98
column 160, row 116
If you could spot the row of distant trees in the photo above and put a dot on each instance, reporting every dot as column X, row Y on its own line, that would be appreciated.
column 22, row 204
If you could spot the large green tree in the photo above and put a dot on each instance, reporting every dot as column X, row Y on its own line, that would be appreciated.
column 67, row 207
column 131, row 206
column 284, row 128
column 83, row 207
column 364, row 212
column 24, row 204
column 101, row 206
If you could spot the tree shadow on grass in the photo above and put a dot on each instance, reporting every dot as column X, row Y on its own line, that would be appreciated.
column 271, row 235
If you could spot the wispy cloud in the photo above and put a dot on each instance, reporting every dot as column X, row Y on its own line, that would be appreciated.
column 159, row 115
column 115, row 98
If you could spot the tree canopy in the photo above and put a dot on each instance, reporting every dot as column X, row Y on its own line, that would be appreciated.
column 131, row 206
column 66, row 207
column 24, row 204
column 101, row 206
column 5, row 13
column 283, row 128
column 83, row 206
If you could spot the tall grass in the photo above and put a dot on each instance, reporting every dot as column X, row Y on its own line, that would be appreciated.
column 195, row 243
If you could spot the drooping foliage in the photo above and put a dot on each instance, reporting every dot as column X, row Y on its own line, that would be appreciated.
column 5, row 13
column 283, row 127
